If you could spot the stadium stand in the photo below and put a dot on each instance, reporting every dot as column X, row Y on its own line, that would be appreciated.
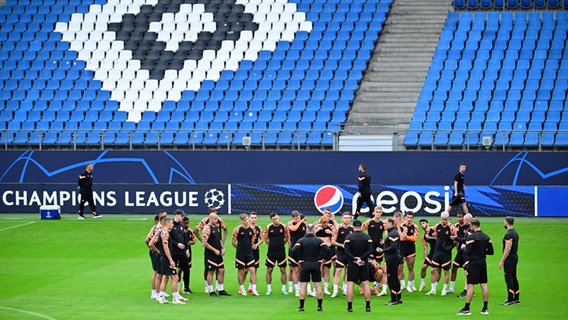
column 89, row 73
column 497, row 79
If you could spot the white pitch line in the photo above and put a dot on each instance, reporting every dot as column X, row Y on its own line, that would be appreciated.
column 20, row 225
column 29, row 312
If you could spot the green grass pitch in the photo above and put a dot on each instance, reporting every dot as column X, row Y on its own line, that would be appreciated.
column 99, row 269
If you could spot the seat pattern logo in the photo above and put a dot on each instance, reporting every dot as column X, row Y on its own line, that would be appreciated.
column 151, row 51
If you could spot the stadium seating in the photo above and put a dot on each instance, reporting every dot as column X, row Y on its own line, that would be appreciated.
column 497, row 74
column 298, row 63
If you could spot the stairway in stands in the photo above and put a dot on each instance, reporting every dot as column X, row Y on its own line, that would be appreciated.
column 391, row 86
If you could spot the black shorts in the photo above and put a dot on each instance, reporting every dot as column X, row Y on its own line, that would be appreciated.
column 276, row 256
column 428, row 260
column 213, row 261
column 408, row 251
column 456, row 201
column 357, row 273
column 442, row 260
column 476, row 273
column 256, row 255
column 459, row 260
column 184, row 261
column 291, row 262
column 155, row 259
column 329, row 260
column 165, row 267
column 310, row 272
column 179, row 258
column 341, row 260
column 244, row 260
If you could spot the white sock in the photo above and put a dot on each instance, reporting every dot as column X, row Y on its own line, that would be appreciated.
column 217, row 285
column 269, row 287
column 402, row 283
column 242, row 287
column 325, row 285
column 297, row 286
column 422, row 281
column 344, row 287
column 220, row 287
column 335, row 287
column 290, row 284
column 283, row 287
column 385, row 287
column 153, row 292
column 411, row 283
column 445, row 287
column 254, row 287
column 452, row 285
column 175, row 295
column 308, row 289
column 250, row 286
column 210, row 288
column 162, row 295
column 434, row 286
column 206, row 284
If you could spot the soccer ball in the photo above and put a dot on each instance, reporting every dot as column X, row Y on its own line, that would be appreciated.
column 214, row 198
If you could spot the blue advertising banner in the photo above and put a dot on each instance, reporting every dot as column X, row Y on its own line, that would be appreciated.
column 551, row 201
column 116, row 198
column 280, row 167
column 423, row 200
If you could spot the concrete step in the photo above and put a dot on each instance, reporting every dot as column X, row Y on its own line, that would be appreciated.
column 410, row 38
column 381, row 76
column 374, row 86
column 400, row 62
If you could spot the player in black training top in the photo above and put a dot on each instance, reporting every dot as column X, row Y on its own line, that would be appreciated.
column 297, row 228
column 310, row 251
column 442, row 260
column 276, row 236
column 242, row 240
column 358, row 247
column 364, row 192
column 460, row 261
column 408, row 237
column 391, row 248
column 154, row 253
column 185, row 267
column 477, row 246
column 179, row 244
column 324, row 230
column 375, row 228
column 341, row 261
column 213, row 255
column 257, row 241
column 459, row 191
column 428, row 240
column 509, row 261
column 85, row 186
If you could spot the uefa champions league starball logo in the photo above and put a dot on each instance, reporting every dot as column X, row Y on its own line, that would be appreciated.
column 214, row 198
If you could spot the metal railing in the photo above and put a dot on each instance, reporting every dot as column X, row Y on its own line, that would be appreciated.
column 437, row 140
column 179, row 139
column 497, row 140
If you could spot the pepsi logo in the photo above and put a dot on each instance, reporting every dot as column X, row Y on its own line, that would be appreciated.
column 328, row 196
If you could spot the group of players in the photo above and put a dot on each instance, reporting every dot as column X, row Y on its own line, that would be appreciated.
column 392, row 240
